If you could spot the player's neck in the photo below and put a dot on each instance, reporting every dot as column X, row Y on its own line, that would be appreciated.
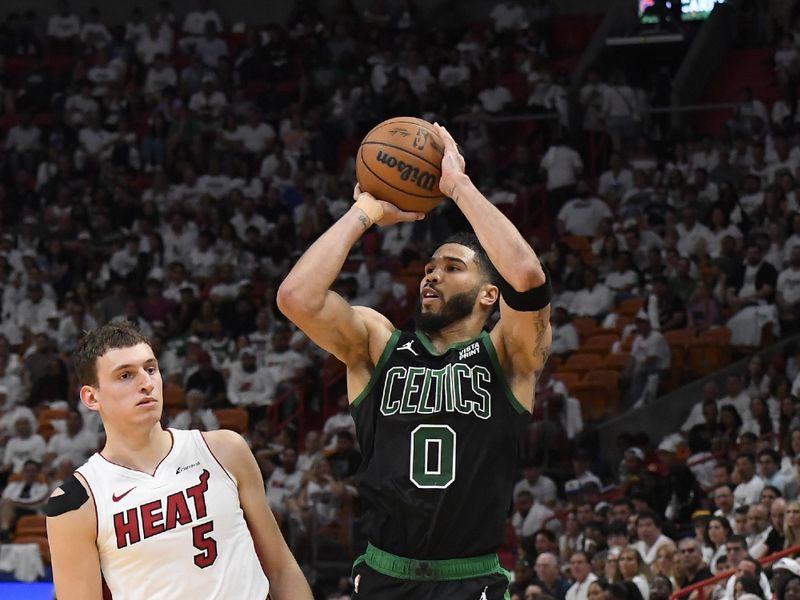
column 460, row 331
column 141, row 450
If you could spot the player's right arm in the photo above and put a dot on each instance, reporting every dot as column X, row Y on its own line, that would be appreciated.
column 305, row 296
column 73, row 552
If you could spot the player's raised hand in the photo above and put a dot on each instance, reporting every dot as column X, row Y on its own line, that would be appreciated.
column 453, row 163
column 383, row 213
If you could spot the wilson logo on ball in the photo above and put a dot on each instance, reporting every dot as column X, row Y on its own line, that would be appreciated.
column 423, row 179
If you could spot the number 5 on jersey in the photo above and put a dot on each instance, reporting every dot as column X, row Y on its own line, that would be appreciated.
column 432, row 463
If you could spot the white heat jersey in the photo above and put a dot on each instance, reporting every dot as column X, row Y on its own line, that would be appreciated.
column 179, row 533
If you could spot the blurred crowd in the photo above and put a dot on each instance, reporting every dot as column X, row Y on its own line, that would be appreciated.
column 169, row 169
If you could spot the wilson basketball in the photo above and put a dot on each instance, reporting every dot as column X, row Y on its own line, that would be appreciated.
column 400, row 161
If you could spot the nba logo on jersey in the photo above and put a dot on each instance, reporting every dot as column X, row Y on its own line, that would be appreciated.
column 356, row 583
column 483, row 595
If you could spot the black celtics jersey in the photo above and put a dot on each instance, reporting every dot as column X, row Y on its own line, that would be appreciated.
column 440, row 437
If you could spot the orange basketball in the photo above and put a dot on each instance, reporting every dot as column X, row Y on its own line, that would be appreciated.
column 400, row 161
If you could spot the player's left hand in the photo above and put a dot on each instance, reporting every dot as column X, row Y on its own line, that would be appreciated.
column 390, row 214
column 453, row 164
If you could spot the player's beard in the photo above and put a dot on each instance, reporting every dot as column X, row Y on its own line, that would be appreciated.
column 456, row 308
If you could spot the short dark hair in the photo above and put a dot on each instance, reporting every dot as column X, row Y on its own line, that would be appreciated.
column 470, row 240
column 649, row 514
column 94, row 344
column 776, row 458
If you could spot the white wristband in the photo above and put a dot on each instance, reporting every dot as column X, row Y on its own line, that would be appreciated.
column 370, row 207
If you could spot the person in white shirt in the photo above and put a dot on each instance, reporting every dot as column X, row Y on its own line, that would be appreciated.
column 135, row 26
column 75, row 444
column 650, row 360
column 374, row 283
column 94, row 142
column 622, row 280
column 495, row 97
column 616, row 180
column 541, row 487
column 34, row 311
column 155, row 40
column 23, row 446
column 310, row 457
column 209, row 47
column 196, row 416
column 285, row 482
column 508, row 17
column 249, row 384
column 63, row 27
column 94, row 34
column 195, row 21
column 565, row 336
column 203, row 258
column 562, row 167
column 691, row 232
column 342, row 420
column 282, row 363
column 581, row 571
column 648, row 529
column 124, row 261
column 160, row 75
column 530, row 516
column 581, row 215
column 749, row 490
column 24, row 137
column 256, row 136
column 787, row 295
column 73, row 326
column 418, row 75
column 594, row 300
column 208, row 103
column 453, row 73
column 26, row 496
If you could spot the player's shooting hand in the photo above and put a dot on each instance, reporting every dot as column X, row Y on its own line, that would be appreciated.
column 453, row 164
column 385, row 213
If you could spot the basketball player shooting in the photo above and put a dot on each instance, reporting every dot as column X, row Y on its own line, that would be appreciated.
column 441, row 412
column 161, row 514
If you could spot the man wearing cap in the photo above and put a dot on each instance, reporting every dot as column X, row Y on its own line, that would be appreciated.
column 649, row 362
column 249, row 384
column 686, row 494
column 565, row 336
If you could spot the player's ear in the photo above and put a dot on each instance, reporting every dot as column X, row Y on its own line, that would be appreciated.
column 489, row 294
column 89, row 398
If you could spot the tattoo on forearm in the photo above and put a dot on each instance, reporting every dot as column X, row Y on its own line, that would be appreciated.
column 364, row 221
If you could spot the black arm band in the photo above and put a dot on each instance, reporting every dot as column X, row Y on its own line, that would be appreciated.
column 530, row 301
column 73, row 498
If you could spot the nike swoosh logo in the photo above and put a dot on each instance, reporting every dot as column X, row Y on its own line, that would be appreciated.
column 116, row 498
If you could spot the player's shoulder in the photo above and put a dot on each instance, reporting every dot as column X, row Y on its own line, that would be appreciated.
column 227, row 446
column 72, row 503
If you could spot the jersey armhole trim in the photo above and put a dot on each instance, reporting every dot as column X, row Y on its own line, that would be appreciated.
column 490, row 349
column 214, row 456
column 387, row 351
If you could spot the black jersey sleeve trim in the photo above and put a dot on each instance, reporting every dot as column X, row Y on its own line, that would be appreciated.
column 73, row 498
column 490, row 349
column 387, row 351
